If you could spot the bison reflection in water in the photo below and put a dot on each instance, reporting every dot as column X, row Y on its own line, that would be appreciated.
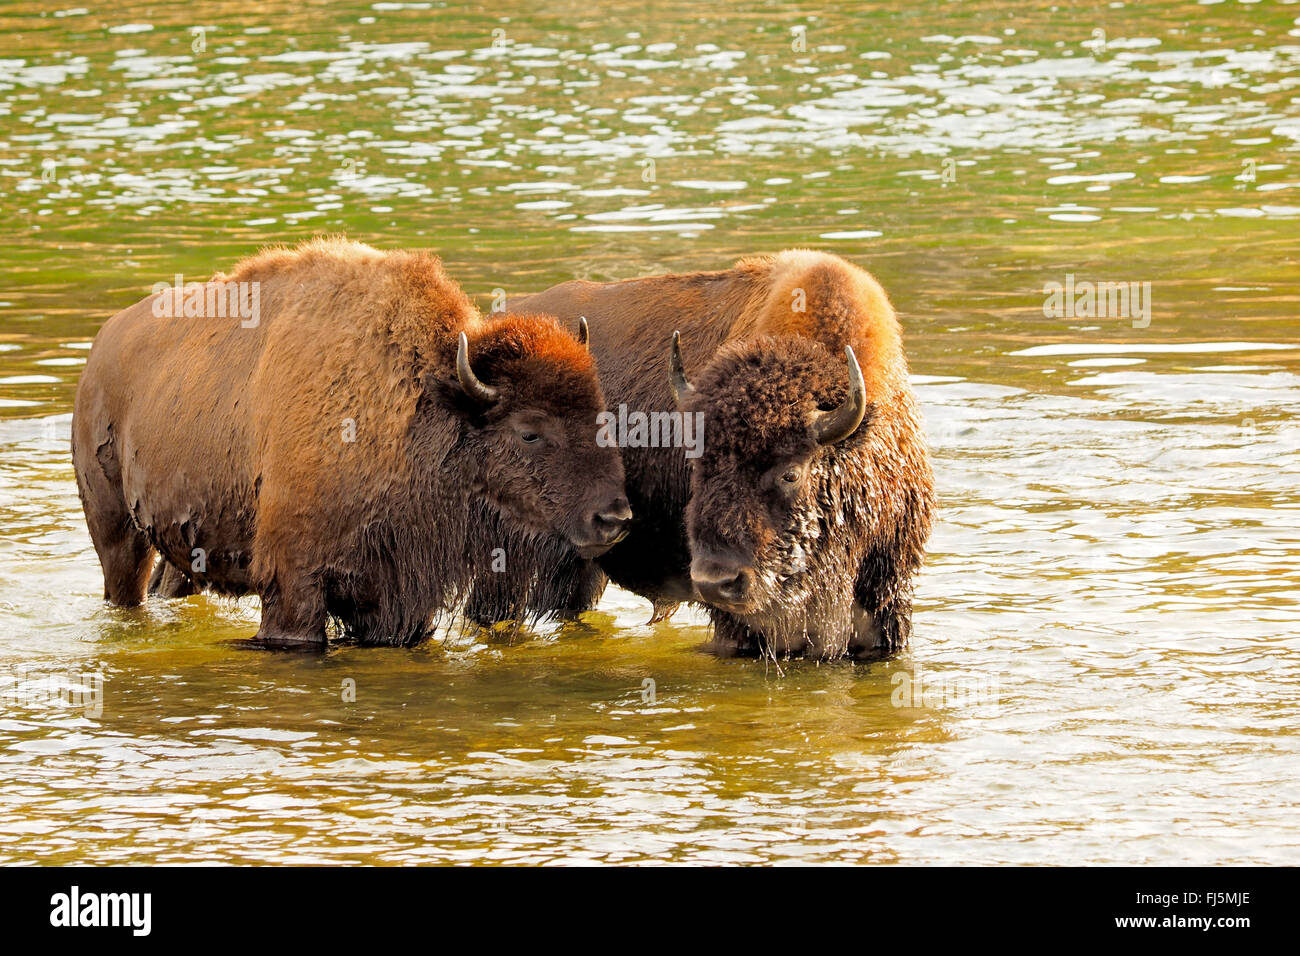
column 353, row 451
column 802, row 523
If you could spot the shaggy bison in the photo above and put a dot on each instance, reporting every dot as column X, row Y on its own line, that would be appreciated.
column 355, row 450
column 801, row 518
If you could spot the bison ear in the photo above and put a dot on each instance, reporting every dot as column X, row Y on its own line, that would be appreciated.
column 469, row 382
column 584, row 334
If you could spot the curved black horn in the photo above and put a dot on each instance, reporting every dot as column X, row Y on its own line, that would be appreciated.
column 839, row 423
column 584, row 334
column 682, row 389
column 468, row 380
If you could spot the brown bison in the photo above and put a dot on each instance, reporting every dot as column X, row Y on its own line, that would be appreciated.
column 801, row 517
column 353, row 451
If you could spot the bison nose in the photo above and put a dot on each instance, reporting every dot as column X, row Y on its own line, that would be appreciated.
column 610, row 523
column 605, row 527
column 723, row 582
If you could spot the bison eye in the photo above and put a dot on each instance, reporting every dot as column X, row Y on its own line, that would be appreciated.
column 791, row 477
column 529, row 438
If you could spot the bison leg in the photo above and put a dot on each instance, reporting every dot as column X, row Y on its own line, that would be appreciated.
column 883, row 615
column 662, row 610
column 731, row 638
column 893, row 621
column 169, row 581
column 125, row 553
column 126, row 557
column 868, row 640
column 580, row 591
column 293, row 615
column 492, row 599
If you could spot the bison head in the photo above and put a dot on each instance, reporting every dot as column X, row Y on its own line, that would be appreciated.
column 529, row 396
column 771, row 495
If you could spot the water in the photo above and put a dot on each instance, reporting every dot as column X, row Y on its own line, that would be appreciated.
column 1108, row 622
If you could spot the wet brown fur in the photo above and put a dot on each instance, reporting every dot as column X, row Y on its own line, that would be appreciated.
column 836, row 564
column 197, row 433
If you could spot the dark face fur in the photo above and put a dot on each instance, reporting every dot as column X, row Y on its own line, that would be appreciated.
column 772, row 518
column 534, row 442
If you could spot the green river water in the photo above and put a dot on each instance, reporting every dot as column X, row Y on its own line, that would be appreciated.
column 1109, row 618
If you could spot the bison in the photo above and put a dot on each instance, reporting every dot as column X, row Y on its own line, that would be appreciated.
column 802, row 521
column 355, row 451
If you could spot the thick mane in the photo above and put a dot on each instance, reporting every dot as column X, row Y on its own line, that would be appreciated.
column 533, row 337
column 819, row 296
column 756, row 394
column 546, row 365
column 406, row 294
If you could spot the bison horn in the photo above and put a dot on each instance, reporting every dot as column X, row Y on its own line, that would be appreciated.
column 468, row 380
column 839, row 423
column 682, row 389
column 584, row 334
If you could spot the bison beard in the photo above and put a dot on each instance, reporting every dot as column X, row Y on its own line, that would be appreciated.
column 831, row 569
column 198, row 436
